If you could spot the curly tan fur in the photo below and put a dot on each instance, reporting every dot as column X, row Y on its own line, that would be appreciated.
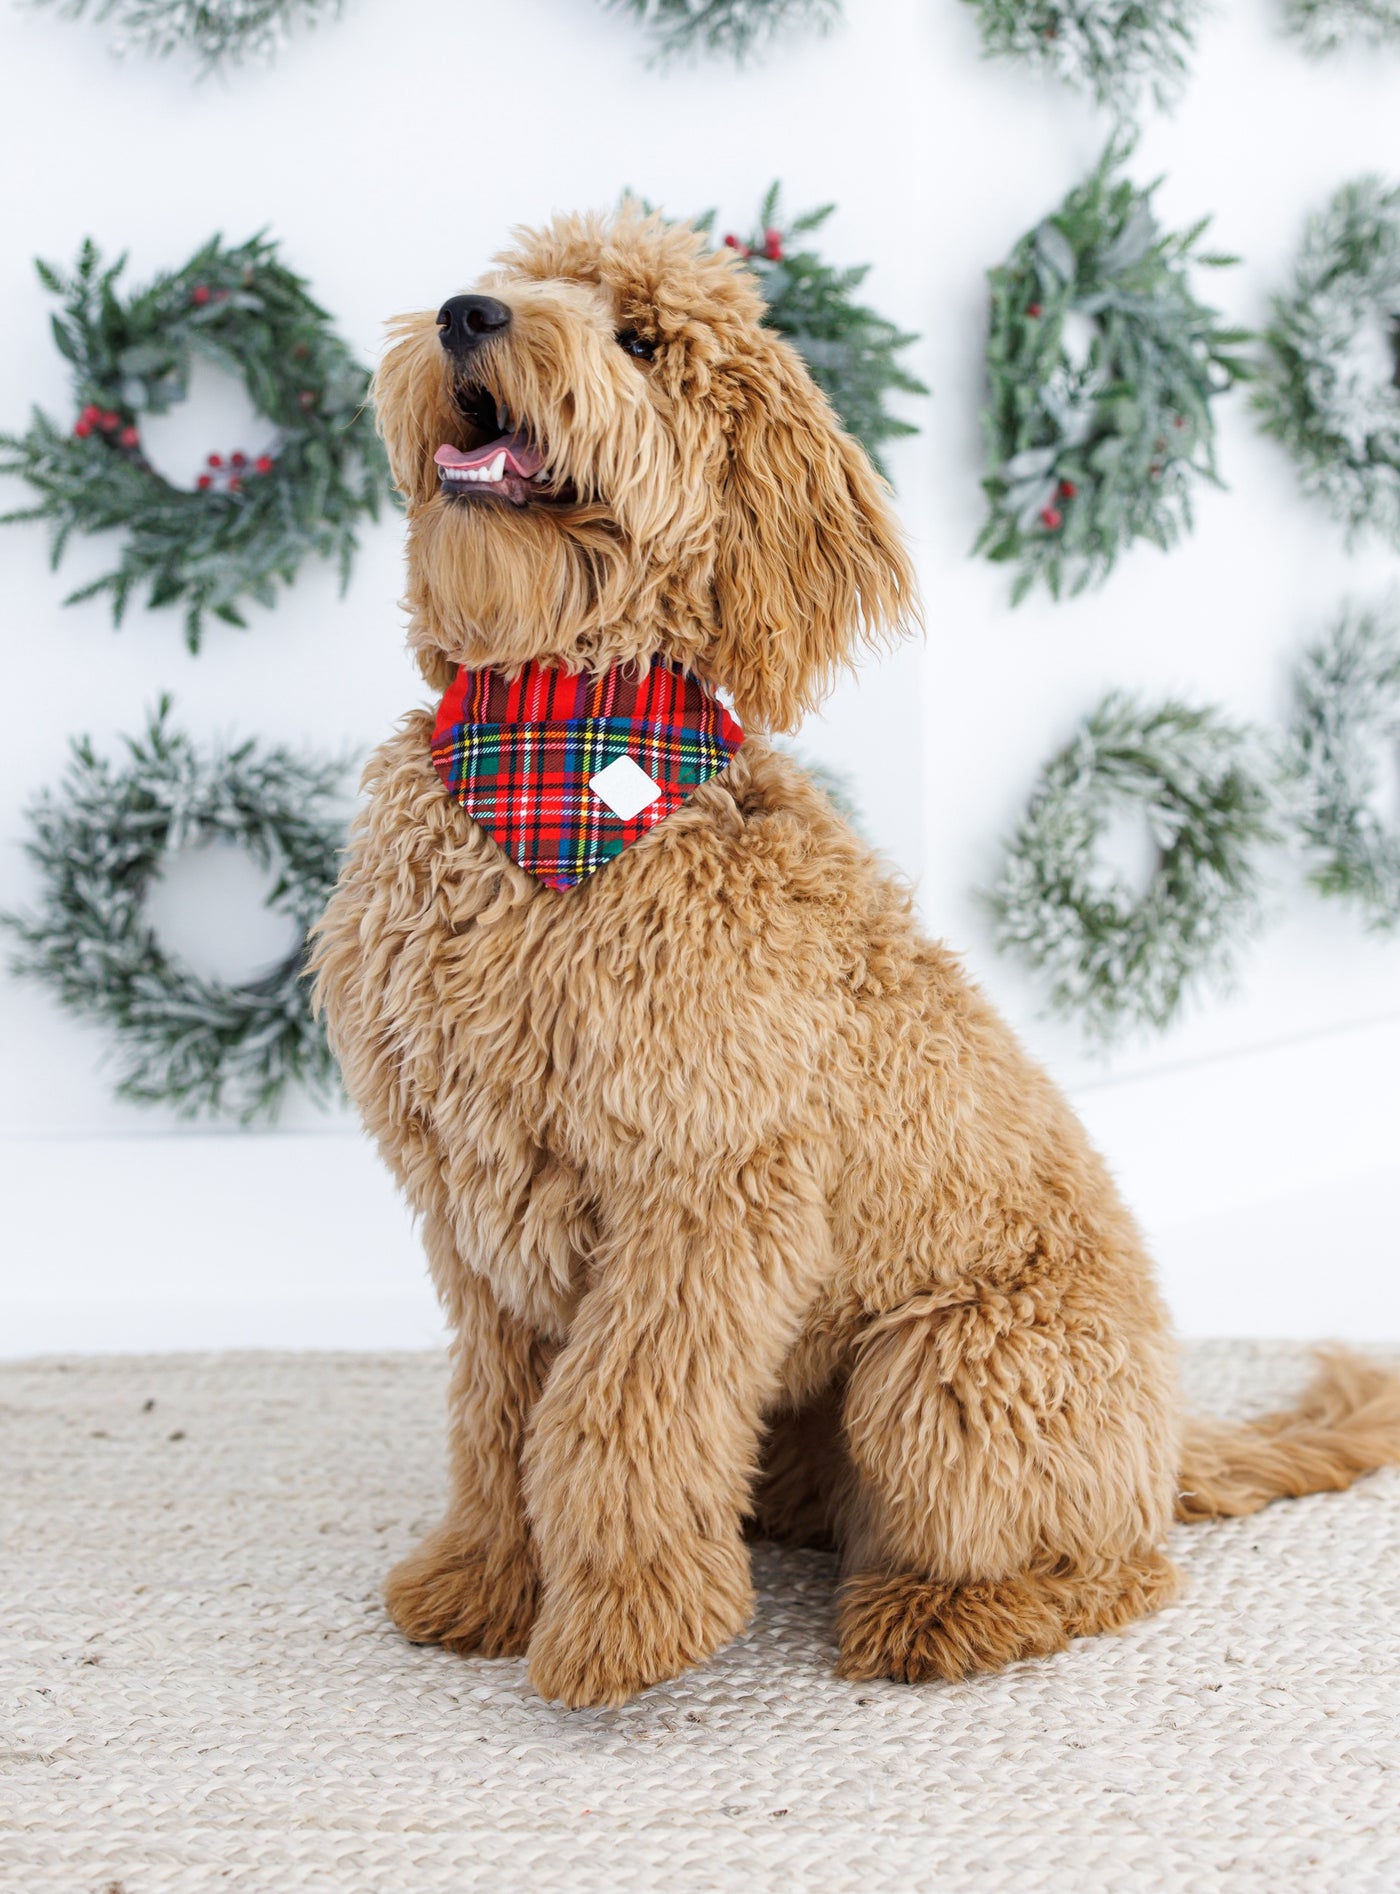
column 747, row 1211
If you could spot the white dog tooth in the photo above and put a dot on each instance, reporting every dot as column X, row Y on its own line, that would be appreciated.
column 497, row 467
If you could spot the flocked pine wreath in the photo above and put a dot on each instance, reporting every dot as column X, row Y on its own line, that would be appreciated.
column 1346, row 719
column 737, row 28
column 851, row 351
column 1115, row 50
column 101, row 839
column 1115, row 960
column 217, row 32
column 249, row 522
column 1331, row 390
column 1324, row 26
column 1089, row 452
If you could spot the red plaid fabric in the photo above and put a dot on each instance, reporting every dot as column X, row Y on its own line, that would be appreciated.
column 519, row 754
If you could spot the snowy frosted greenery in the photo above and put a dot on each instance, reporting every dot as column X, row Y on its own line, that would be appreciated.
column 851, row 350
column 1346, row 720
column 1115, row 960
column 101, row 839
column 1325, row 25
column 209, row 551
column 1330, row 390
column 1116, row 50
column 737, row 28
column 1092, row 448
column 216, row 31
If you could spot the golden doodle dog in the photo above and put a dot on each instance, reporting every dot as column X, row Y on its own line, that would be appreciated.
column 749, row 1214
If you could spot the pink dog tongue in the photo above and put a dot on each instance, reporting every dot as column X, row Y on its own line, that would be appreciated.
column 523, row 458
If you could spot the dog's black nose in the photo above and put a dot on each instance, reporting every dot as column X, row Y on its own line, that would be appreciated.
column 466, row 322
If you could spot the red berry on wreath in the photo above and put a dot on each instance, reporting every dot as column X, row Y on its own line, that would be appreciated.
column 129, row 437
column 235, row 485
column 773, row 245
column 215, row 460
column 731, row 242
column 238, row 460
column 1068, row 489
column 200, row 294
column 1033, row 310
column 204, row 482
column 82, row 427
column 90, row 413
column 263, row 464
column 1051, row 518
column 109, row 421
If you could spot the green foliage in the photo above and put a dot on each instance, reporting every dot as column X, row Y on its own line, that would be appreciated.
column 100, row 840
column 1326, row 25
column 209, row 552
column 1346, row 717
column 737, row 28
column 851, row 351
column 1337, row 413
column 217, row 31
column 1112, row 959
column 1088, row 455
column 1116, row 50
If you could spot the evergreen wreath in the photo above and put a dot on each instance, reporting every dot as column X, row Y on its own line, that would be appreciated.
column 1116, row 960
column 246, row 524
column 1088, row 455
column 1326, row 25
column 101, row 839
column 217, row 31
column 733, row 27
column 1347, row 714
column 1115, row 50
column 850, row 350
column 1337, row 413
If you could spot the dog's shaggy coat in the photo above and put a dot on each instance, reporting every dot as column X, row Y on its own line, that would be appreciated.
column 747, row 1211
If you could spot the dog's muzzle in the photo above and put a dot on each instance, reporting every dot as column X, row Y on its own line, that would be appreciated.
column 465, row 322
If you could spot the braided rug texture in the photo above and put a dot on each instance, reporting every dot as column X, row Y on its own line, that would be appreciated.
column 201, row 1690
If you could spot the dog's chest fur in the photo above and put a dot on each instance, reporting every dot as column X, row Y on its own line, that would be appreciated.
column 525, row 1055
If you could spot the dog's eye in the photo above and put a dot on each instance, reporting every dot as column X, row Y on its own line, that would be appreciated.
column 635, row 344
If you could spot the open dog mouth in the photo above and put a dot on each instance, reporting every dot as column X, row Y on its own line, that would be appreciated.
column 505, row 463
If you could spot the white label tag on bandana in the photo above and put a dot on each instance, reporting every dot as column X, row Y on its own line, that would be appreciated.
column 625, row 787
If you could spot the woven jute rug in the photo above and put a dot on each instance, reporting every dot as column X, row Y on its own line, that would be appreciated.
column 201, row 1689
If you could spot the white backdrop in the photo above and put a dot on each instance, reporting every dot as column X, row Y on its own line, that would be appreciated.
column 390, row 153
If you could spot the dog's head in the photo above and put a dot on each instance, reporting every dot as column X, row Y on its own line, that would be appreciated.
column 605, row 455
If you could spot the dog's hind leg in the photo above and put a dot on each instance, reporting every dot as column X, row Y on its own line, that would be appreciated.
column 804, row 1473
column 471, row 1584
column 1015, row 1449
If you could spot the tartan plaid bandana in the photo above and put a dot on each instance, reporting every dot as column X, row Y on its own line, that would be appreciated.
column 564, row 770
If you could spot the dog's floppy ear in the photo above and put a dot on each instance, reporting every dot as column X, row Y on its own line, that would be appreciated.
column 809, row 561
column 412, row 404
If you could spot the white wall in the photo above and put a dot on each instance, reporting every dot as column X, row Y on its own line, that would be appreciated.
column 391, row 153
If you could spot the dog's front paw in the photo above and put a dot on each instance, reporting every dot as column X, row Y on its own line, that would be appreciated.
column 605, row 1635
column 449, row 1591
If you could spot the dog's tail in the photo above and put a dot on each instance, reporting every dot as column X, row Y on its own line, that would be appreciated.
column 1346, row 1423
